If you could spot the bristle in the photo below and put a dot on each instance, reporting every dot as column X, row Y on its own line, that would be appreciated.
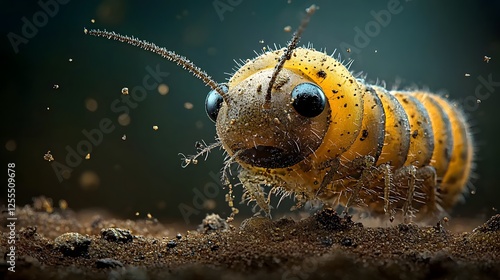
column 289, row 49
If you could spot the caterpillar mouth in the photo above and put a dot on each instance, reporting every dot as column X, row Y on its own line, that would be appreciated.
column 269, row 157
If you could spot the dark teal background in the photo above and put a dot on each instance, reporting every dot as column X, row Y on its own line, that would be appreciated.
column 430, row 44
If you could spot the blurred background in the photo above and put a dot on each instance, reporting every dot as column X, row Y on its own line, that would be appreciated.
column 60, row 83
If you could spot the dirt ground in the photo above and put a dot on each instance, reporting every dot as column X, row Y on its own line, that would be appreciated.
column 61, row 244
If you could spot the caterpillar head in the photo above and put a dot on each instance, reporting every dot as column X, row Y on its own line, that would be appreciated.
column 270, row 133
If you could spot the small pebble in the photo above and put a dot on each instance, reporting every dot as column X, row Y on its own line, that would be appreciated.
column 171, row 244
column 213, row 222
column 117, row 235
column 346, row 241
column 73, row 244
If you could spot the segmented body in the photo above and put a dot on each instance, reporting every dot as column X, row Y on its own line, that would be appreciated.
column 372, row 148
column 299, row 123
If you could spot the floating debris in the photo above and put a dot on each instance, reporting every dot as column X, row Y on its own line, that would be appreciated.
column 11, row 145
column 163, row 89
column 63, row 204
column 89, row 180
column 188, row 105
column 48, row 157
column 91, row 104
column 43, row 204
column 124, row 119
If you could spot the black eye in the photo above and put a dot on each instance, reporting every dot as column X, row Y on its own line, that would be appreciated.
column 308, row 100
column 213, row 103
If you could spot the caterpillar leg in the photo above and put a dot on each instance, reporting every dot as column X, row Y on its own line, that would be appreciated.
column 367, row 171
column 254, row 192
column 387, row 172
column 332, row 167
column 416, row 190
column 410, row 172
column 428, row 180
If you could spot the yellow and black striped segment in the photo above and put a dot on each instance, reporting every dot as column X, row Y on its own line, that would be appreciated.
column 454, row 151
column 324, row 156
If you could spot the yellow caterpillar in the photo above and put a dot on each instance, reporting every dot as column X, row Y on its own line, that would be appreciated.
column 299, row 123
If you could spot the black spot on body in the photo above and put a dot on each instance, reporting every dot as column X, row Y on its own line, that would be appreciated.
column 414, row 134
column 321, row 74
column 364, row 135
